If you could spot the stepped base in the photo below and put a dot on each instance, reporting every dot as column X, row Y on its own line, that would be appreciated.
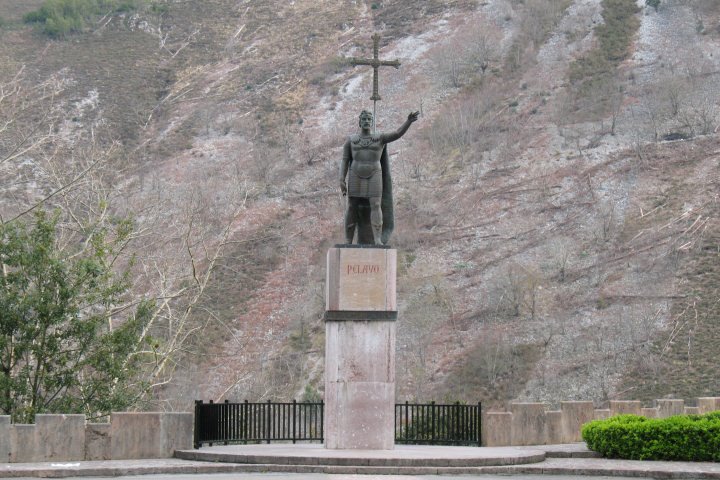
column 424, row 458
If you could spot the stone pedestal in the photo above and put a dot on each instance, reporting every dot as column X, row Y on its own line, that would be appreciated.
column 360, row 314
column 574, row 416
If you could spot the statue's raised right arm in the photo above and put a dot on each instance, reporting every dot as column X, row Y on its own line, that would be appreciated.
column 391, row 137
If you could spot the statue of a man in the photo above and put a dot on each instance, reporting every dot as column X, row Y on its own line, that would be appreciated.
column 365, row 164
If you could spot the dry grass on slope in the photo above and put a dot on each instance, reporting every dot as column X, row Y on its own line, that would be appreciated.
column 682, row 361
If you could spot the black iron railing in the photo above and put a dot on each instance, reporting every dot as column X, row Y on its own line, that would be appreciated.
column 438, row 424
column 257, row 422
column 428, row 424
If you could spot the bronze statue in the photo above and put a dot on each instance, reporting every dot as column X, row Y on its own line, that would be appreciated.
column 369, row 186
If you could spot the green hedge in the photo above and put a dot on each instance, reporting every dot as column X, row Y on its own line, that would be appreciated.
column 682, row 437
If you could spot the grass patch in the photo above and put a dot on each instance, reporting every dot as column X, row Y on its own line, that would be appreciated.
column 595, row 89
column 614, row 37
column 682, row 361
column 58, row 18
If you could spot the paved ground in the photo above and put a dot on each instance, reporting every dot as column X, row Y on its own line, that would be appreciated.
column 301, row 476
column 402, row 456
column 563, row 462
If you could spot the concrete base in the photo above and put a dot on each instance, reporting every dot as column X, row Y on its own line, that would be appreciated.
column 574, row 416
column 97, row 441
column 23, row 434
column 5, row 439
column 51, row 438
column 149, row 434
column 670, row 407
column 360, row 349
column 708, row 404
column 529, row 424
column 570, row 460
column 401, row 456
column 496, row 428
column 67, row 438
column 60, row 437
column 360, row 385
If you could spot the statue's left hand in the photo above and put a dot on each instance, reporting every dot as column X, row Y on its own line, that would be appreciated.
column 413, row 116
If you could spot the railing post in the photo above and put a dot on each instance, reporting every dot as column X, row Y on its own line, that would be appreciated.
column 226, row 421
column 395, row 424
column 294, row 420
column 196, row 431
column 322, row 419
column 459, row 426
column 479, row 424
column 432, row 421
column 245, row 426
column 415, row 421
column 268, row 425
column 461, row 420
column 407, row 423
column 213, row 416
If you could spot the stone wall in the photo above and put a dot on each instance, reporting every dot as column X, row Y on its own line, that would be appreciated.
column 157, row 435
column 71, row 438
column 534, row 424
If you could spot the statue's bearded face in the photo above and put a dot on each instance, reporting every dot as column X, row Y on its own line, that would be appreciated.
column 366, row 120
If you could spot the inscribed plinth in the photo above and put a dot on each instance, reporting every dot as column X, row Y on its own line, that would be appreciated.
column 360, row 314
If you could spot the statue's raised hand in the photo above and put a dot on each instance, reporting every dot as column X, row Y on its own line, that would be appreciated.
column 413, row 116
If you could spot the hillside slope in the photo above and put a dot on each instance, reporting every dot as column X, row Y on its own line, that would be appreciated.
column 553, row 244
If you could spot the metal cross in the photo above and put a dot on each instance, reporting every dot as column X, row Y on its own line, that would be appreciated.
column 375, row 63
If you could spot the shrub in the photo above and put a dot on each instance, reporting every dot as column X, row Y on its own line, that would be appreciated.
column 126, row 6
column 676, row 136
column 681, row 437
column 160, row 8
column 61, row 17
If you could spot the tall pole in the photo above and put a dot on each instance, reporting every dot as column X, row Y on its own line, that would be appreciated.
column 374, row 115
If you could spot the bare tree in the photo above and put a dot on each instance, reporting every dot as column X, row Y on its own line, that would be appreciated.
column 173, row 247
column 520, row 289
column 467, row 56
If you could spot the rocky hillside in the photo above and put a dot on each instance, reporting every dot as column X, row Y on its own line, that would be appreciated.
column 557, row 204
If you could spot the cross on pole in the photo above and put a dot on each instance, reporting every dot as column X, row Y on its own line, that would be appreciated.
column 375, row 63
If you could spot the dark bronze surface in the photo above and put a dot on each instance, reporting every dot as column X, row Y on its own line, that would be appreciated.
column 355, row 316
column 365, row 168
column 365, row 179
column 375, row 63
column 360, row 245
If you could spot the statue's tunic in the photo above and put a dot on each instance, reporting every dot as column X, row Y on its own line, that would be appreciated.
column 365, row 174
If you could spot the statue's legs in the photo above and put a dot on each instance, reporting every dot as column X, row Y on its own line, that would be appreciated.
column 376, row 219
column 351, row 218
